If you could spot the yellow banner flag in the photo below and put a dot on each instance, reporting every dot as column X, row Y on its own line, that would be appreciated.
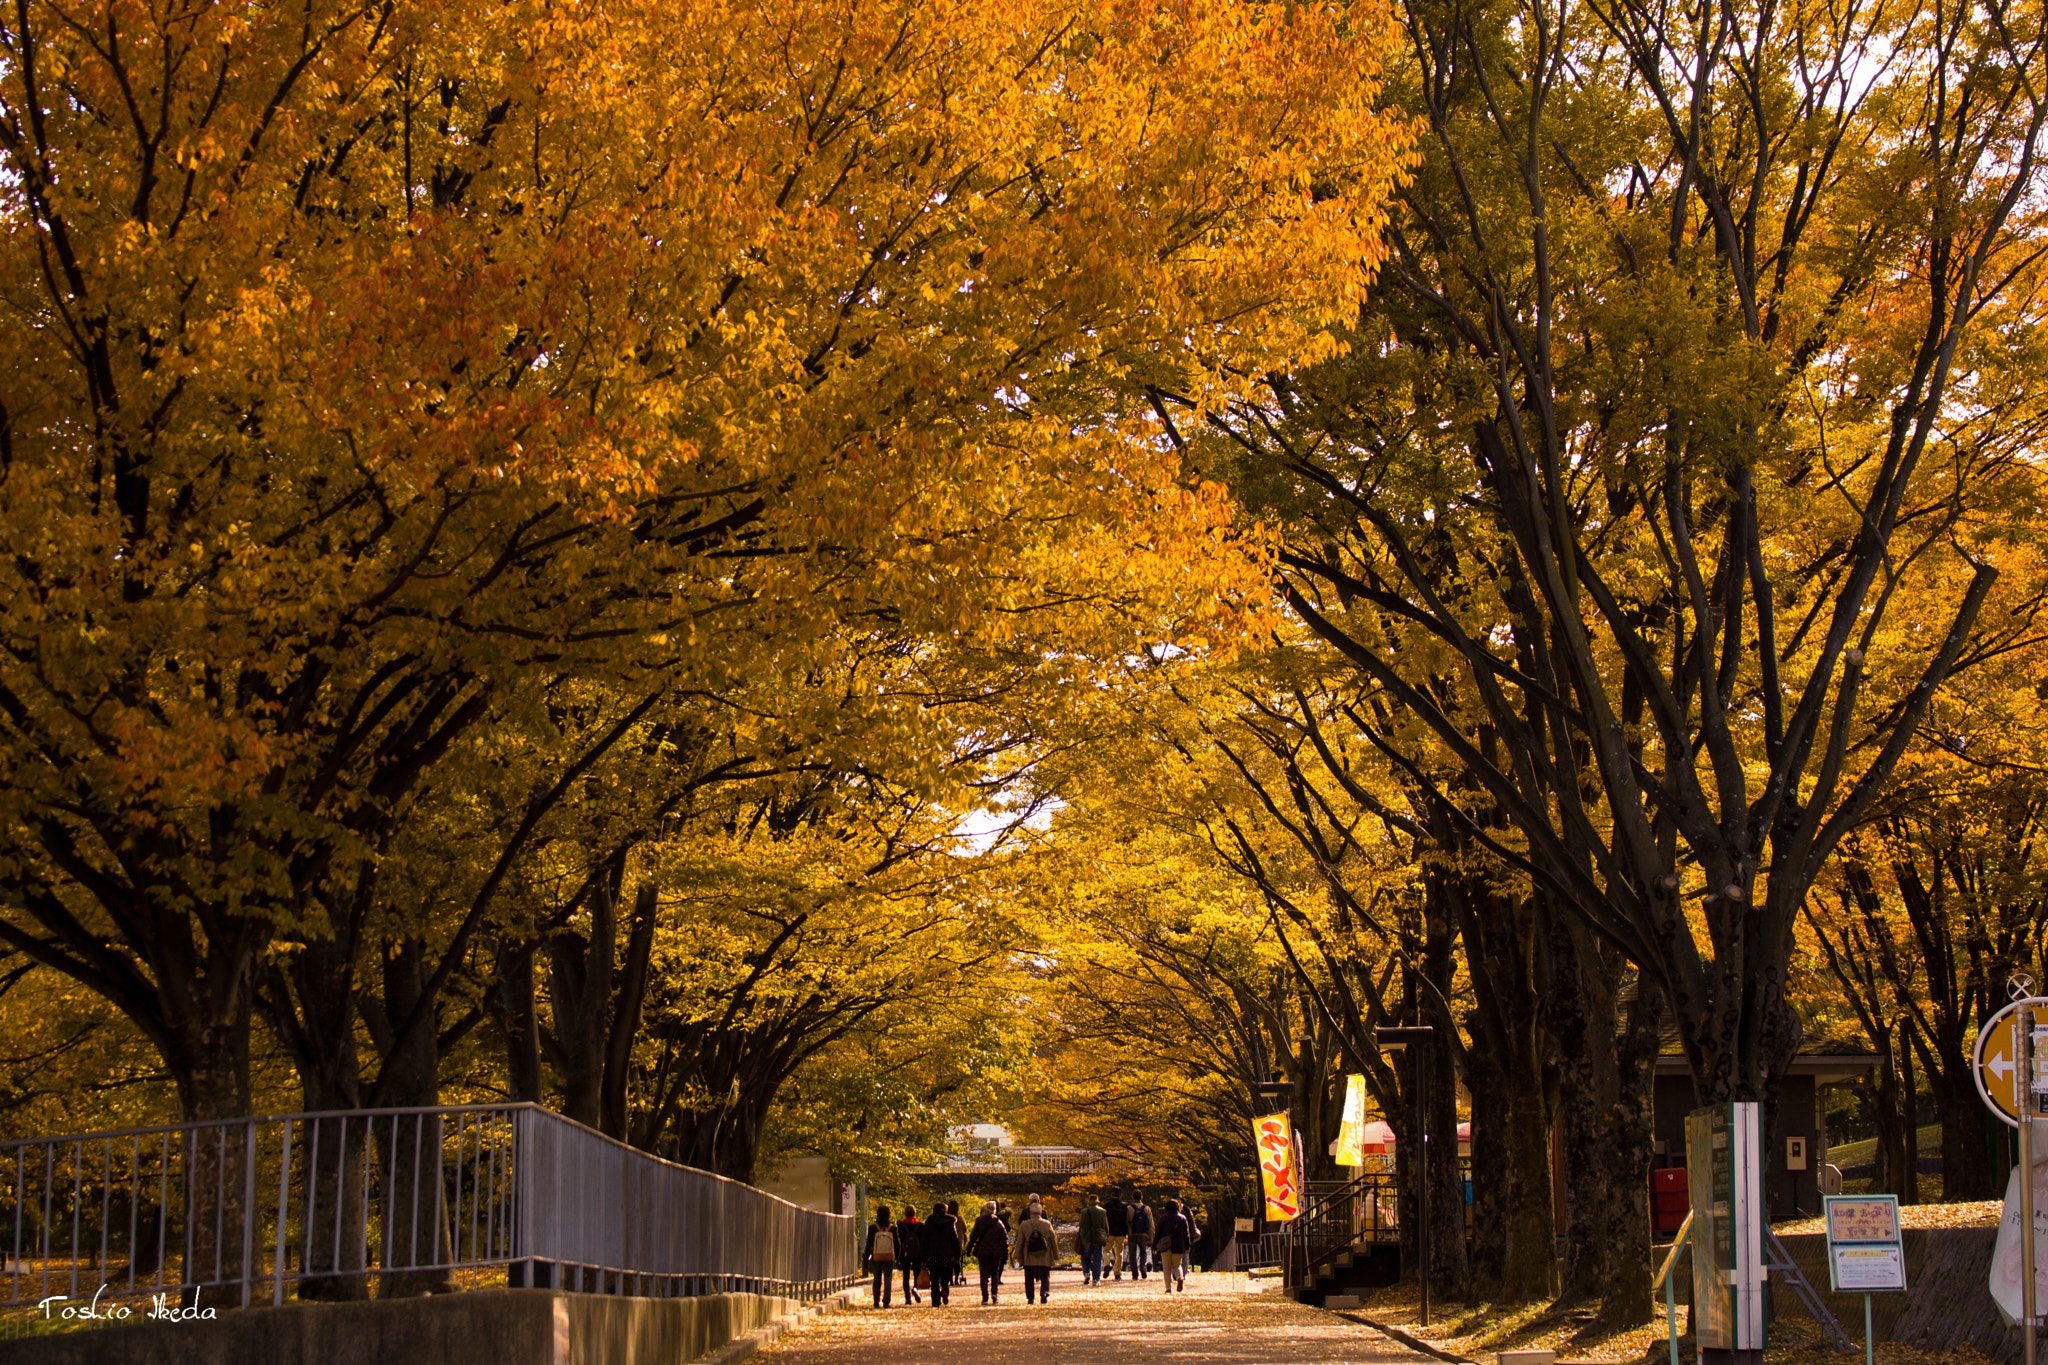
column 1273, row 1140
column 1351, row 1136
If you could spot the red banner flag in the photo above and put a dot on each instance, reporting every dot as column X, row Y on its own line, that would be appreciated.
column 1273, row 1140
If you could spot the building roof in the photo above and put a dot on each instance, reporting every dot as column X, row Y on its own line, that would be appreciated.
column 1825, row 1057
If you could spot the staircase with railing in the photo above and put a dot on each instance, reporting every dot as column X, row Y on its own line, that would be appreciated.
column 1345, row 1239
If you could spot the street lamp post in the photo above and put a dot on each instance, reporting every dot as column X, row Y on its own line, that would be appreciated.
column 1389, row 1040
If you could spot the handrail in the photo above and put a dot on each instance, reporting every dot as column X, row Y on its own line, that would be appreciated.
column 399, row 1110
column 1671, row 1260
column 337, row 1204
column 1678, row 1244
column 1309, row 1246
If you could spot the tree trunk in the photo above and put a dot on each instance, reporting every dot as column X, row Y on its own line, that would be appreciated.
column 212, row 1073
column 510, row 1000
column 1607, row 1137
column 1885, row 1113
column 1631, row 1143
column 410, row 1147
column 335, row 1149
column 1510, row 1070
column 1965, row 1142
column 1582, row 1013
column 624, row 1023
column 1493, row 1191
column 1909, row 1121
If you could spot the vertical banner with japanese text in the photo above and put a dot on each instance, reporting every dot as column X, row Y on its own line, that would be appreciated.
column 1351, row 1136
column 1273, row 1140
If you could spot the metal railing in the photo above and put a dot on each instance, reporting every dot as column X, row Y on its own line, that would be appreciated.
column 390, row 1202
column 1053, row 1160
column 1258, row 1251
column 1338, row 1217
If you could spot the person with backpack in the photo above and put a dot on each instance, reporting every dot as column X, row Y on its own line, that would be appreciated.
column 1092, row 1237
column 1118, row 1214
column 1038, row 1247
column 880, row 1255
column 941, row 1246
column 910, row 1250
column 1141, row 1238
column 1174, row 1235
column 989, row 1243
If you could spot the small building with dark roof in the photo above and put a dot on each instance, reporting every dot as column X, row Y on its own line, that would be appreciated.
column 1793, row 1167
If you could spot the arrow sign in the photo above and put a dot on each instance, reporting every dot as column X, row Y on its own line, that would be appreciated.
column 2000, row 1074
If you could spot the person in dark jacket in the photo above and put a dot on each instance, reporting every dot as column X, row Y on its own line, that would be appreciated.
column 941, row 1254
column 1171, row 1240
column 960, row 1235
column 880, row 1255
column 989, row 1244
column 1092, row 1234
column 909, row 1250
column 1119, row 1214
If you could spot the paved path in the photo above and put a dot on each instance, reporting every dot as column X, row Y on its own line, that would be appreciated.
column 1221, row 1320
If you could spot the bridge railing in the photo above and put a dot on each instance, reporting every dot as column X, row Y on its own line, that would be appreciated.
column 389, row 1202
column 1005, row 1160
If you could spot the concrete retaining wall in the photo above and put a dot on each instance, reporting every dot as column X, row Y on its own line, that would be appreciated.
column 512, row 1326
column 1947, row 1303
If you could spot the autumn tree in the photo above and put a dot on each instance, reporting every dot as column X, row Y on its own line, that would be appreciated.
column 1694, row 381
column 370, row 370
column 1931, row 909
column 1168, row 999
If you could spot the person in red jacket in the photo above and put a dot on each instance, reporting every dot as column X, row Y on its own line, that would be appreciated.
column 910, row 1250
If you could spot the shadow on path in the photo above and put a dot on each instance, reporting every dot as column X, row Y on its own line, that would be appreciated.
column 1221, row 1320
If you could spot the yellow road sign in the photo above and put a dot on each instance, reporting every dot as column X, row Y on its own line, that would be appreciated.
column 2000, row 1070
column 1998, row 1064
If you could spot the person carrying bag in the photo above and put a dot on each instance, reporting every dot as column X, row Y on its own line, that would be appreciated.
column 1141, row 1239
column 880, row 1255
column 1038, row 1248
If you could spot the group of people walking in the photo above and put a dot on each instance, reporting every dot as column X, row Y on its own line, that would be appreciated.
column 1127, row 1232
column 932, row 1252
column 928, row 1251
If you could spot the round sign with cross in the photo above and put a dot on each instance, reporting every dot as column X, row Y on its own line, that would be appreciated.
column 2000, row 1065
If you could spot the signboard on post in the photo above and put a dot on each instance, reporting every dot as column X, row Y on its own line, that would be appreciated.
column 1724, row 1165
column 1865, row 1254
column 1273, row 1141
